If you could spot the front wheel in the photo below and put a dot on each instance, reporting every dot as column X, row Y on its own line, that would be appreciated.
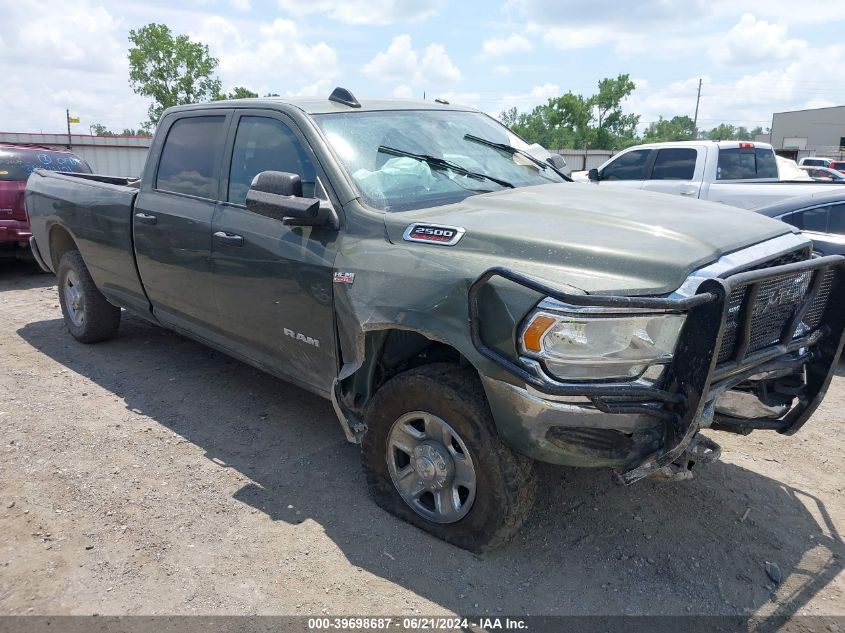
column 88, row 316
column 432, row 457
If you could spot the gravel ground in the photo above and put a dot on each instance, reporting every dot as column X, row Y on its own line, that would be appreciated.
column 151, row 475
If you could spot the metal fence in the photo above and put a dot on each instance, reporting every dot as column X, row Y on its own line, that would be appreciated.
column 582, row 160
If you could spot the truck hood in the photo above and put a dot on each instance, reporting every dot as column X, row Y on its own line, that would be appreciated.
column 593, row 239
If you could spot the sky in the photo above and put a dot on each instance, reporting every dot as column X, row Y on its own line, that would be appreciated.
column 754, row 57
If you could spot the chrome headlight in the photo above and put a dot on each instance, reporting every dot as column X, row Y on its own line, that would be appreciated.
column 576, row 343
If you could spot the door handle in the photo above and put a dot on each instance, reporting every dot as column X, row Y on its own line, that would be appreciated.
column 144, row 218
column 688, row 192
column 229, row 239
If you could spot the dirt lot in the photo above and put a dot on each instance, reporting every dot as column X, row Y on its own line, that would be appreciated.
column 151, row 475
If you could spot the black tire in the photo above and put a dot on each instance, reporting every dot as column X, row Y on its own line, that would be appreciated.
column 506, row 483
column 100, row 319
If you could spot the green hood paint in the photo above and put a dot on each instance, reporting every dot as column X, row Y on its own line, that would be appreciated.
column 598, row 240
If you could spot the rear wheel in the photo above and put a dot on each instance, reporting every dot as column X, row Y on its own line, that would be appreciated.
column 88, row 316
column 432, row 457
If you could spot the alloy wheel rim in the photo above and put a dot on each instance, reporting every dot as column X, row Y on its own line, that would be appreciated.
column 431, row 467
column 74, row 299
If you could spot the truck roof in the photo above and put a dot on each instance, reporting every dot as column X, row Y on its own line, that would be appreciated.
column 340, row 100
column 700, row 143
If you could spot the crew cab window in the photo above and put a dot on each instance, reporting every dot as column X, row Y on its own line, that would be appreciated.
column 809, row 219
column 629, row 166
column 265, row 144
column 836, row 223
column 742, row 163
column 190, row 158
column 674, row 164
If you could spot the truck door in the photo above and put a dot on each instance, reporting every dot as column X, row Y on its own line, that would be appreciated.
column 676, row 170
column 627, row 169
column 172, row 221
column 272, row 282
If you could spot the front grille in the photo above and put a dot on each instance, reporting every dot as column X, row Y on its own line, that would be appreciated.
column 772, row 307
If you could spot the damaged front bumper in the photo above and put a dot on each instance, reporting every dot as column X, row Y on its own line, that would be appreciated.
column 643, row 429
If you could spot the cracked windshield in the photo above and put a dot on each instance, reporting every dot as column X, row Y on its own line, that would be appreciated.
column 449, row 161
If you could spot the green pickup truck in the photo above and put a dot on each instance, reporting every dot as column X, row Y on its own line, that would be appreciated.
column 464, row 307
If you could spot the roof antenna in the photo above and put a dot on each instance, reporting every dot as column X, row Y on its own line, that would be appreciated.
column 342, row 95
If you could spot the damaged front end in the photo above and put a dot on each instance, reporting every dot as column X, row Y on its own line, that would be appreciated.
column 757, row 348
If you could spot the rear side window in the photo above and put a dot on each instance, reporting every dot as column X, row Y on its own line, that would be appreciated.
column 629, row 166
column 836, row 223
column 674, row 164
column 809, row 219
column 746, row 163
column 264, row 144
column 815, row 219
column 18, row 163
column 190, row 159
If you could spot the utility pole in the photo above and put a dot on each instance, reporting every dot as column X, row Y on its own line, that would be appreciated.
column 67, row 115
column 695, row 119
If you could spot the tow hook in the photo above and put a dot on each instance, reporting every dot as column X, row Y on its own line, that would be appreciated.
column 702, row 450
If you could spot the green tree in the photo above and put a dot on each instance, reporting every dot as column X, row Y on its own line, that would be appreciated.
column 570, row 117
column 678, row 128
column 170, row 70
column 98, row 129
column 238, row 93
column 722, row 132
column 572, row 120
column 614, row 128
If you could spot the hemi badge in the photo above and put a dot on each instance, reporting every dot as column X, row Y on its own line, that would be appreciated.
column 344, row 278
column 433, row 234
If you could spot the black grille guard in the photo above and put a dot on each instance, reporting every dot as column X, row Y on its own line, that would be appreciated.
column 694, row 375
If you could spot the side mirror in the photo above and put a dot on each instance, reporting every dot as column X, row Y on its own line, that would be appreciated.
column 278, row 195
column 557, row 161
column 594, row 175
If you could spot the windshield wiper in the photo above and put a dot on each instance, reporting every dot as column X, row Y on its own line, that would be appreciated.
column 510, row 149
column 443, row 164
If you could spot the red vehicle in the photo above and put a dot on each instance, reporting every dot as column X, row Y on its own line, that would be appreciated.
column 838, row 165
column 16, row 164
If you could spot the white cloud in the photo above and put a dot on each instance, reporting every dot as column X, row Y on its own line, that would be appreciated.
column 750, row 99
column 502, row 69
column 70, row 57
column 397, row 62
column 526, row 101
column 253, row 59
column 436, row 67
column 752, row 41
column 514, row 43
column 241, row 5
column 400, row 62
column 365, row 11
column 785, row 12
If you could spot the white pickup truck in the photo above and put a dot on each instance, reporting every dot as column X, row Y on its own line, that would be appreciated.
column 738, row 173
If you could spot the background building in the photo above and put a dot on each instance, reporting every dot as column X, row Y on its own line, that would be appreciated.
column 818, row 132
column 107, row 155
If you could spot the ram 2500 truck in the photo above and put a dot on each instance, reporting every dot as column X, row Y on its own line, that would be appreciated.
column 736, row 173
column 466, row 310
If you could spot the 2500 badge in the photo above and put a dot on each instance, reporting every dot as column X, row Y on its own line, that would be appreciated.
column 434, row 234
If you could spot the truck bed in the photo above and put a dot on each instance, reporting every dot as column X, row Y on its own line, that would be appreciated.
column 751, row 195
column 96, row 213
